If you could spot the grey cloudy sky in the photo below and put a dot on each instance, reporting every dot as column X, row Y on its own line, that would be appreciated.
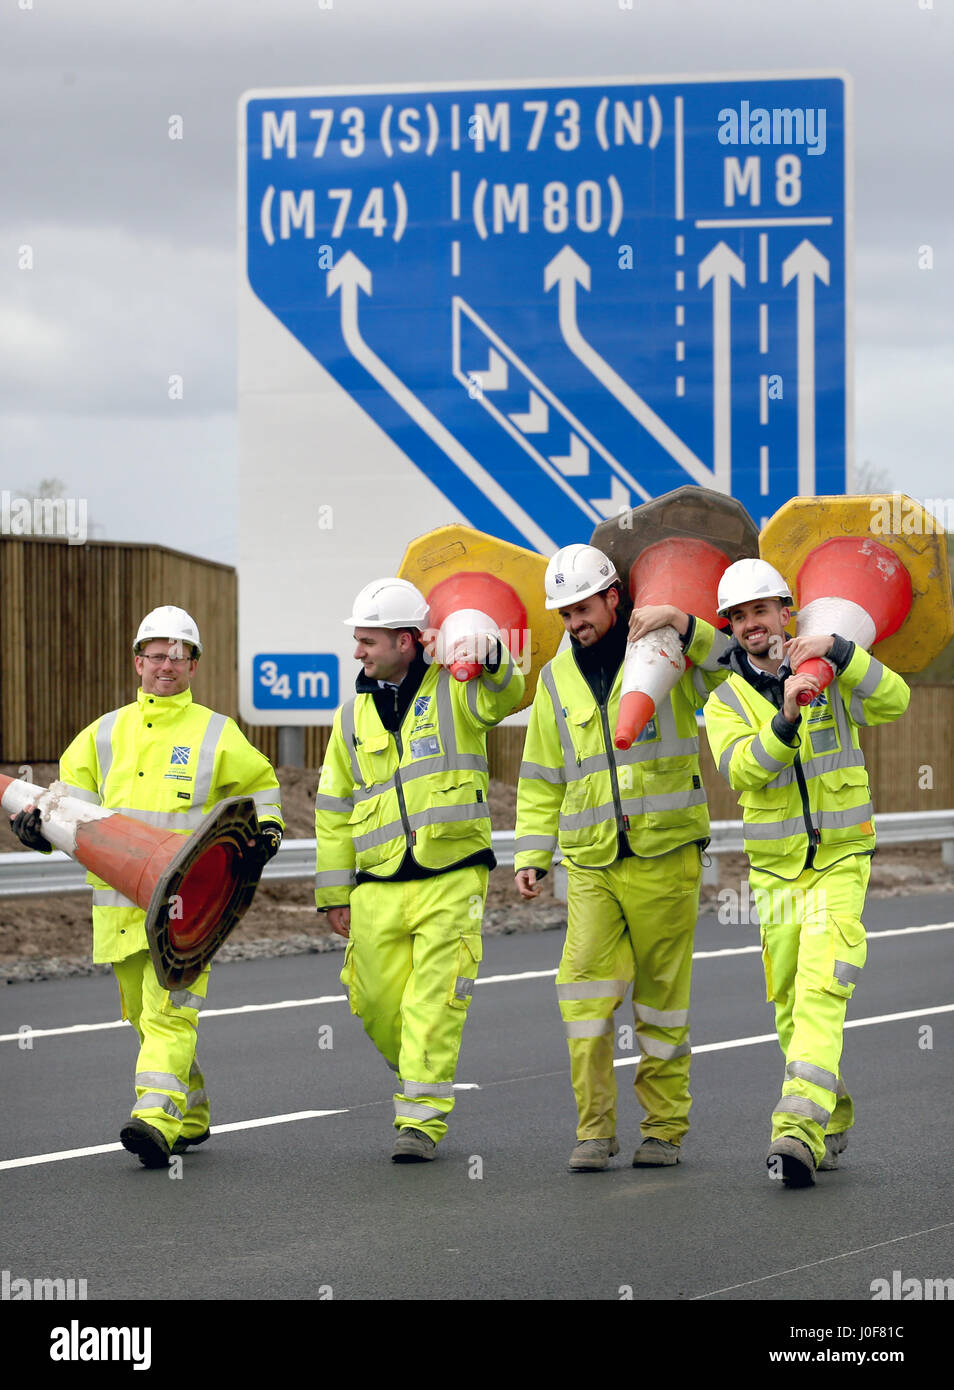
column 134, row 234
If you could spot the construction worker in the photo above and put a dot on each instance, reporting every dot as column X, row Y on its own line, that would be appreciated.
column 809, row 836
column 403, row 834
column 167, row 761
column 630, row 826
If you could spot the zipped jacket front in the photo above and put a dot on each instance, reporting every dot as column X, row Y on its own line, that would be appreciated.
column 167, row 761
column 805, row 804
column 579, row 792
column 419, row 791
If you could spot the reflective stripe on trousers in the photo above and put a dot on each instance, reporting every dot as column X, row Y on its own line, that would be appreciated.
column 633, row 920
column 166, row 1027
column 410, row 966
column 815, row 922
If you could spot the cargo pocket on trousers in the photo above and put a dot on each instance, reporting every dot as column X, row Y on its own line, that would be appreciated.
column 469, row 955
column 849, row 952
column 767, row 967
column 347, row 975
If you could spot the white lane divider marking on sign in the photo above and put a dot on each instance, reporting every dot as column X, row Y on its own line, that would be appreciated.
column 566, row 270
column 348, row 276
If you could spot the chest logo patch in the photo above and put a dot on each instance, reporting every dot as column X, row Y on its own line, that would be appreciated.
column 420, row 706
column 180, row 754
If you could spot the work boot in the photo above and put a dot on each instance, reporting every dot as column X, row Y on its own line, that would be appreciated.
column 656, row 1153
column 593, row 1155
column 146, row 1143
column 835, row 1145
column 186, row 1140
column 796, row 1159
column 413, row 1146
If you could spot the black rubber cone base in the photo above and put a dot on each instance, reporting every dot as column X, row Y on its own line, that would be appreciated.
column 204, row 893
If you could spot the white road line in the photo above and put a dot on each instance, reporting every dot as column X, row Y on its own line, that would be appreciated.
column 771, row 1037
column 216, row 1129
column 318, row 1114
column 813, row 1264
column 342, row 998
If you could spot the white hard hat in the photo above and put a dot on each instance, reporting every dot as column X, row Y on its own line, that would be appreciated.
column 169, row 622
column 576, row 572
column 389, row 603
column 750, row 579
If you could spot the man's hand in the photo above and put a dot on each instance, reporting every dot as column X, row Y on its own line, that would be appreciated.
column 655, row 616
column 802, row 649
column 793, row 686
column 526, row 882
column 339, row 920
column 268, row 839
column 26, row 826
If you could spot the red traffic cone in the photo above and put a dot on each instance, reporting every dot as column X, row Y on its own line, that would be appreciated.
column 681, row 571
column 194, row 889
column 466, row 611
column 854, row 586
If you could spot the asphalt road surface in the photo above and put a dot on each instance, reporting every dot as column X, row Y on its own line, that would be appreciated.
column 294, row 1197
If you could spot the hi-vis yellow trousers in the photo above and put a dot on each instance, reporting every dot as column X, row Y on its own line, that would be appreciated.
column 410, row 966
column 170, row 1088
column 631, row 924
column 813, row 948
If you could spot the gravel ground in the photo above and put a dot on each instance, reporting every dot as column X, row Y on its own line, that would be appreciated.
column 49, row 937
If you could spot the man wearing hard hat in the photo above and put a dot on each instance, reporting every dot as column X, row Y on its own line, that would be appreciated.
column 167, row 761
column 403, row 833
column 809, row 836
column 630, row 826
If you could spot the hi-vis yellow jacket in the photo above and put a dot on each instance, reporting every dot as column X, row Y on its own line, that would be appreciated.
column 167, row 761
column 807, row 804
column 576, row 789
column 423, row 789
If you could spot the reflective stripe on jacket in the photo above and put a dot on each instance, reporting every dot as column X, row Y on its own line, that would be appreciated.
column 166, row 761
column 577, row 790
column 805, row 804
column 423, row 789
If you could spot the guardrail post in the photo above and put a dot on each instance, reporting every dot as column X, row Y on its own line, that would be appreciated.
column 710, row 871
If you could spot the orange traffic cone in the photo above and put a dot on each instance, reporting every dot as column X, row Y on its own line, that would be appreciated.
column 854, row 586
column 467, row 610
column 193, row 889
column 681, row 571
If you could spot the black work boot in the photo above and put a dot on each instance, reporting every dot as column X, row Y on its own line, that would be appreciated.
column 146, row 1143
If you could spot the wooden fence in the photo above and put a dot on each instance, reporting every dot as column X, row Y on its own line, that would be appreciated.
column 68, row 615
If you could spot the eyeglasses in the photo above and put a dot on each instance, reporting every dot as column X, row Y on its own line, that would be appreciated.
column 157, row 658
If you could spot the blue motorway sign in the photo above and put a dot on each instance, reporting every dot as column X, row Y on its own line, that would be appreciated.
column 560, row 300
column 295, row 681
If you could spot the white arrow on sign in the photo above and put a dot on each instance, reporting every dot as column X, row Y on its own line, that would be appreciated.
column 537, row 418
column 576, row 463
column 348, row 276
column 567, row 270
column 720, row 266
column 464, row 314
column 495, row 377
column 617, row 502
column 806, row 263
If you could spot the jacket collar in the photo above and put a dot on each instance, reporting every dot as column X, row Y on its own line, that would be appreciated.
column 735, row 658
column 392, row 705
column 160, row 705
